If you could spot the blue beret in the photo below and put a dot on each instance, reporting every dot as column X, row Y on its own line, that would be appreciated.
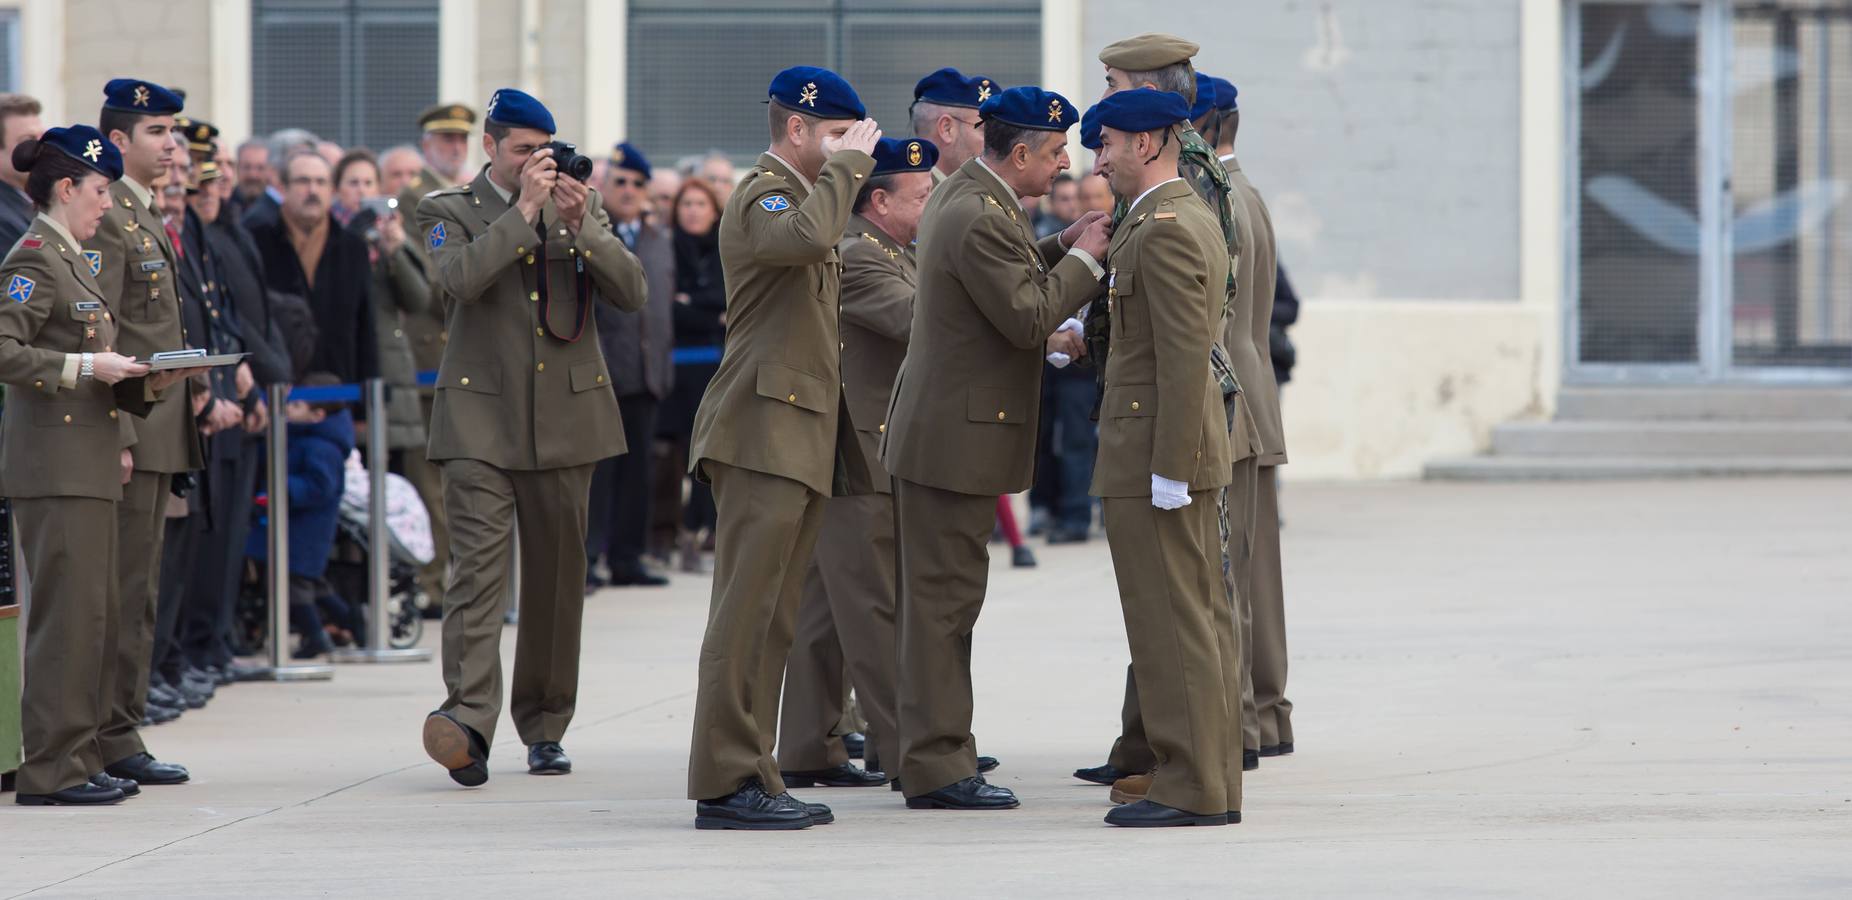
column 136, row 96
column 518, row 109
column 1225, row 95
column 896, row 155
column 949, row 87
column 817, row 92
column 624, row 156
column 1090, row 128
column 1205, row 97
column 87, row 146
column 1143, row 109
column 1030, row 107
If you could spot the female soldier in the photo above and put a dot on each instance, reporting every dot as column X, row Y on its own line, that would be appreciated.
column 63, row 460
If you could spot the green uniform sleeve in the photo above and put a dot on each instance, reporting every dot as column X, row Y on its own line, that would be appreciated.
column 21, row 318
column 788, row 233
column 463, row 268
column 1021, row 303
column 615, row 270
column 876, row 294
column 1182, row 331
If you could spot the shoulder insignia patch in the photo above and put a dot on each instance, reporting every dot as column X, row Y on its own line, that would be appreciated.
column 20, row 288
column 437, row 235
column 775, row 203
column 95, row 259
column 32, row 243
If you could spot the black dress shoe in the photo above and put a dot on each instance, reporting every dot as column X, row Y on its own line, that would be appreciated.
column 752, row 809
column 1022, row 557
column 637, row 578
column 128, row 786
column 146, row 769
column 1145, row 814
column 85, row 794
column 156, row 714
column 202, row 681
column 191, row 696
column 1103, row 775
column 1283, row 748
column 1234, row 817
column 458, row 748
column 165, row 695
column 819, row 814
column 855, row 744
column 1064, row 536
column 971, row 793
column 845, row 775
column 1250, row 760
column 548, row 758
column 220, row 675
column 246, row 673
column 987, row 764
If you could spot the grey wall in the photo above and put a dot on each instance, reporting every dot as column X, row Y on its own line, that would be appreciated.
column 1383, row 133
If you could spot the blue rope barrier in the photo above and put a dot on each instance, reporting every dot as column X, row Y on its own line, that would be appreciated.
column 350, row 393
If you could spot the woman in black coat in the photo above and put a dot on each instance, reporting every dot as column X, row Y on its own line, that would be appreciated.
column 700, row 323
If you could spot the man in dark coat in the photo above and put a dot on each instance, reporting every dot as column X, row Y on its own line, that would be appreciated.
column 638, row 349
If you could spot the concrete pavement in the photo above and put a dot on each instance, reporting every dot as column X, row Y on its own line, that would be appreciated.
column 1617, row 689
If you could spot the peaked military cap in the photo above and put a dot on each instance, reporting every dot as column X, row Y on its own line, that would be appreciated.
column 1147, row 52
column 137, row 96
column 625, row 156
column 1205, row 96
column 896, row 155
column 818, row 92
column 200, row 135
column 87, row 146
column 1142, row 110
column 519, row 109
column 448, row 118
column 1225, row 95
column 1031, row 107
column 950, row 87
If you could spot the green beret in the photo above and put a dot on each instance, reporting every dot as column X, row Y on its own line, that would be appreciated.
column 1147, row 52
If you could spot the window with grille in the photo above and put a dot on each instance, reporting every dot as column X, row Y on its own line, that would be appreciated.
column 698, row 69
column 357, row 72
column 9, row 50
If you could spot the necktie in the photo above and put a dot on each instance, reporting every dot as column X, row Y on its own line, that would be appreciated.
column 173, row 237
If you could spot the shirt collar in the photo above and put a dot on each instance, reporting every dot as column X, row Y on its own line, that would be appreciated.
column 1006, row 185
column 502, row 192
column 808, row 187
column 1147, row 193
column 270, row 190
column 58, row 229
column 144, row 194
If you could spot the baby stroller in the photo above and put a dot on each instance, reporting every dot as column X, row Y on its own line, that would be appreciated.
column 408, row 544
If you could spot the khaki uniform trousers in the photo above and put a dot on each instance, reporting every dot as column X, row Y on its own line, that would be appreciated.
column 141, row 532
column 486, row 504
column 1272, row 711
column 944, row 568
column 767, row 528
column 844, row 624
column 428, row 479
column 1181, row 634
column 72, row 639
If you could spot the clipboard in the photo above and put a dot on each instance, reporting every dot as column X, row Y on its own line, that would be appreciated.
column 192, row 359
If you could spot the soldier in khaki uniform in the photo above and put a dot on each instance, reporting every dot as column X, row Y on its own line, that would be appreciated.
column 961, row 430
column 848, row 606
column 772, row 438
column 1163, row 456
column 135, row 268
column 524, row 411
column 63, row 461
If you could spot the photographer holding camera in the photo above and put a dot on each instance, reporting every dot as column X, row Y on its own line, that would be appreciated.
column 524, row 411
column 399, row 290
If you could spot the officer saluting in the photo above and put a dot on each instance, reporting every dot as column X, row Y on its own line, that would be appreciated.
column 771, row 438
column 524, row 410
column 1163, row 455
column 848, row 606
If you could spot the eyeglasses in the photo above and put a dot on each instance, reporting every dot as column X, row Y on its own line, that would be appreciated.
column 975, row 123
column 627, row 182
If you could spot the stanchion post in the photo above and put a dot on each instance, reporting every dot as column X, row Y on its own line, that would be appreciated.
column 278, row 470
column 379, row 545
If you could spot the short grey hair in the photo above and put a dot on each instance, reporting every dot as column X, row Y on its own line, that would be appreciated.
column 285, row 143
column 1179, row 78
column 924, row 114
column 397, row 149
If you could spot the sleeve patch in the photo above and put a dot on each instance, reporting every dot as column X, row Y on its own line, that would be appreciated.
column 20, row 288
column 775, row 203
column 437, row 235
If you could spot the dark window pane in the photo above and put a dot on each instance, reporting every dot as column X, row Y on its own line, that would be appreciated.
column 697, row 83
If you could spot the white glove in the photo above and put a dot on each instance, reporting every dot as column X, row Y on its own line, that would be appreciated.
column 1167, row 494
column 1060, row 360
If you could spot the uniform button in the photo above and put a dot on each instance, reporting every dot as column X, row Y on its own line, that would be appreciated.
column 443, row 335
column 572, row 251
column 599, row 379
column 108, row 318
column 1000, row 415
column 533, row 295
column 215, row 313
column 520, row 251
column 530, row 259
column 882, row 428
column 38, row 384
column 540, row 332
column 1199, row 454
column 464, row 382
column 93, row 317
column 155, row 277
column 791, row 399
column 67, row 420
column 540, row 367
column 398, row 332
column 1134, row 405
column 112, row 413
column 562, row 232
column 588, row 254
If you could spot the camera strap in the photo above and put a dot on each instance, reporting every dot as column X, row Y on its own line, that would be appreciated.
column 582, row 284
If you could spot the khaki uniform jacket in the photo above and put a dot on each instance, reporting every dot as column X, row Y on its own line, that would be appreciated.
column 878, row 284
column 965, row 408
column 1258, row 278
column 424, row 329
column 59, row 442
column 1162, row 409
column 1236, row 327
column 509, row 394
column 775, row 405
column 138, row 274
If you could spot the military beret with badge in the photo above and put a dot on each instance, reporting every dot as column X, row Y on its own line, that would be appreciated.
column 1030, row 107
column 816, row 92
column 626, row 156
column 894, row 156
column 137, row 96
column 950, row 87
column 85, row 145
column 519, row 109
column 1142, row 110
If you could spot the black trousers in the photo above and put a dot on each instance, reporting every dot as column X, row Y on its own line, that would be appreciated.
column 212, row 589
column 179, row 555
column 618, row 525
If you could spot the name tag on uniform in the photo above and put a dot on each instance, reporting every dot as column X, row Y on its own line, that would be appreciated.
column 88, row 305
column 153, row 265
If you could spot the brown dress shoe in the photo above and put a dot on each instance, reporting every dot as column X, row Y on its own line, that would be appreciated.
column 1131, row 789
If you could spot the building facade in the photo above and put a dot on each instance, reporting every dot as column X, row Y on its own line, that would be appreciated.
column 1481, row 202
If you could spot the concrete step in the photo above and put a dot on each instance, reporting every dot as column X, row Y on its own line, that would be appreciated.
column 1593, row 468
column 1634, row 404
column 1674, row 439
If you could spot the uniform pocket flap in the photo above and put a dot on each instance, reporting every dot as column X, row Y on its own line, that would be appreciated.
column 589, row 375
column 1130, row 401
column 475, row 377
column 989, row 404
column 1121, row 281
column 796, row 388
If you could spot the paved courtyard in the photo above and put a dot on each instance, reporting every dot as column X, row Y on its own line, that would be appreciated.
column 1632, row 689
